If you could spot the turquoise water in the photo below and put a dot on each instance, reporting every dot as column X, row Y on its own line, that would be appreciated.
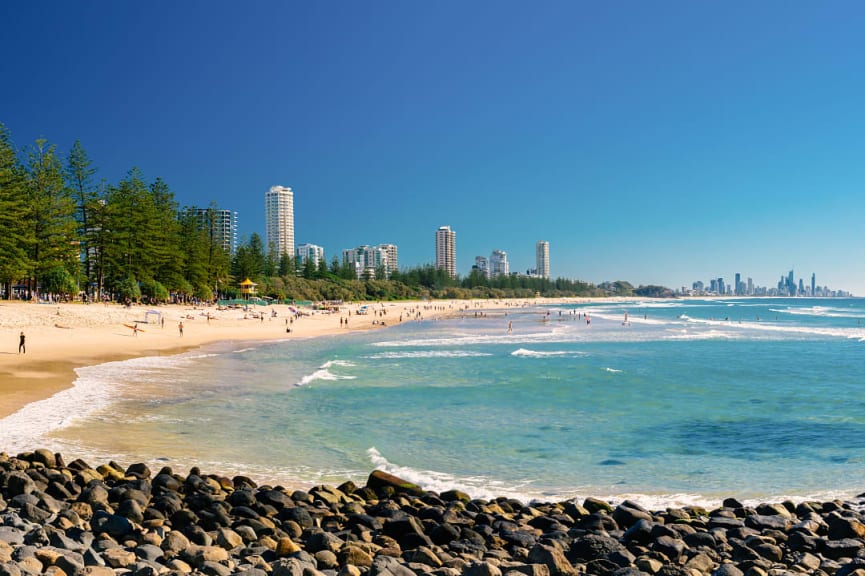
column 689, row 401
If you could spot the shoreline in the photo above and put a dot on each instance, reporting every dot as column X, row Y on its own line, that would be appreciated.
column 63, row 337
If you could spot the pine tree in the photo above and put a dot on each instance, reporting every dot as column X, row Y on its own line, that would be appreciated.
column 50, row 216
column 79, row 179
column 13, row 240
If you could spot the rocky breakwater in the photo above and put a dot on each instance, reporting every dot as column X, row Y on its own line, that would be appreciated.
column 71, row 519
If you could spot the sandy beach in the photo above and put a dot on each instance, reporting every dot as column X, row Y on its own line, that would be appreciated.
column 62, row 337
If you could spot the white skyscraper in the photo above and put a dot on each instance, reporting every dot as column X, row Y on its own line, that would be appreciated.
column 446, row 250
column 499, row 264
column 542, row 259
column 279, row 220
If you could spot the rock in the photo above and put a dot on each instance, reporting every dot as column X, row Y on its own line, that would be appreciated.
column 843, row 527
column 482, row 569
column 354, row 556
column 626, row 516
column 452, row 495
column 593, row 546
column 45, row 457
column 285, row 546
column 845, row 548
column 118, row 557
column 670, row 547
column 379, row 479
column 552, row 558
column 595, row 505
column 422, row 555
column 727, row 570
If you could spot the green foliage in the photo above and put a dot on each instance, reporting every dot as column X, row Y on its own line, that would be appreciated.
column 152, row 289
column 127, row 289
column 14, row 239
column 59, row 281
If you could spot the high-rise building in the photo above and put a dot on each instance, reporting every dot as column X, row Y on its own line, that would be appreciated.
column 221, row 225
column 446, row 250
column 392, row 251
column 499, row 264
column 279, row 220
column 481, row 265
column 738, row 289
column 311, row 252
column 813, row 284
column 542, row 259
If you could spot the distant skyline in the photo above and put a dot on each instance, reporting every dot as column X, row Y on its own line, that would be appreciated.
column 653, row 143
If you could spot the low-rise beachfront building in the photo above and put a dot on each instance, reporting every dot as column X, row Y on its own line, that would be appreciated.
column 311, row 252
column 392, row 264
column 367, row 261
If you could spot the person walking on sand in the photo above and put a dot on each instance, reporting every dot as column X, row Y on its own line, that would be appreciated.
column 180, row 327
column 21, row 348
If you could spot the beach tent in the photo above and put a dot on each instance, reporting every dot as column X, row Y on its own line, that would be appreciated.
column 247, row 288
column 147, row 315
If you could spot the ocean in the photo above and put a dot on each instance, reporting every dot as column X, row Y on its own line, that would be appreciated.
column 666, row 402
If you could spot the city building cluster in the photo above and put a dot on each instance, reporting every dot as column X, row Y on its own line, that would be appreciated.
column 382, row 260
column 367, row 261
column 787, row 286
column 493, row 267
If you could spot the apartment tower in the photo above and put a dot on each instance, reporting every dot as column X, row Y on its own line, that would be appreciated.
column 220, row 225
column 446, row 250
column 279, row 220
column 542, row 259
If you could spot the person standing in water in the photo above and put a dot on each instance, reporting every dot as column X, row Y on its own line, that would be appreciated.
column 510, row 327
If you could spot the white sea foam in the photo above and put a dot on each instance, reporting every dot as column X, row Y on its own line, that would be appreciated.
column 330, row 363
column 522, row 352
column 703, row 335
column 613, row 370
column 428, row 354
column 475, row 486
column 324, row 374
column 820, row 311
column 557, row 334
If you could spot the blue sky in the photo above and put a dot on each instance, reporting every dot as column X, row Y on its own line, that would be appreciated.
column 655, row 142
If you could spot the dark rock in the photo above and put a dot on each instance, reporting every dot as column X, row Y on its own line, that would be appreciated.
column 640, row 532
column 593, row 546
column 727, row 570
column 670, row 547
column 845, row 548
column 843, row 527
column 763, row 522
column 627, row 516
column 379, row 480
